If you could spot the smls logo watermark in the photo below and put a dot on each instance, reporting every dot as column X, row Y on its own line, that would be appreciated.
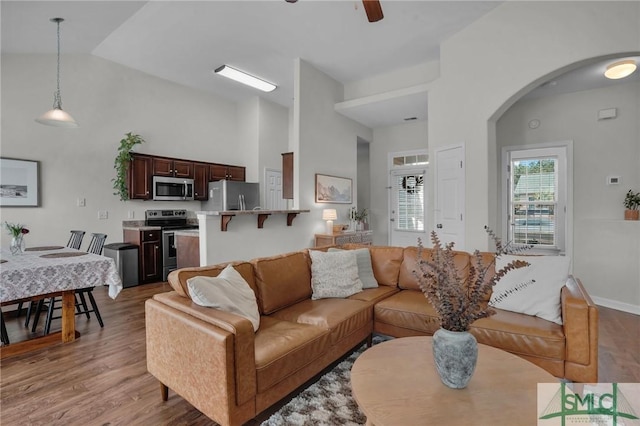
column 599, row 404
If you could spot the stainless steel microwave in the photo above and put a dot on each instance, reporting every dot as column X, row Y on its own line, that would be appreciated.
column 172, row 189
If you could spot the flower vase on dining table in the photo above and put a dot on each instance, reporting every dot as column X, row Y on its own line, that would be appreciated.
column 17, row 245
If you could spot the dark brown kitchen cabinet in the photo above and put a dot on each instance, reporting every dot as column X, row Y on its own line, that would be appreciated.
column 201, row 181
column 144, row 166
column 224, row 171
column 139, row 177
column 172, row 168
column 287, row 175
column 149, row 253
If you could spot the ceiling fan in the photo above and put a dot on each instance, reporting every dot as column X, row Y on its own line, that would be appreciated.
column 372, row 7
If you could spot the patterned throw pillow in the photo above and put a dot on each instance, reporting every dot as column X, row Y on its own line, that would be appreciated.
column 334, row 274
column 228, row 292
column 365, row 269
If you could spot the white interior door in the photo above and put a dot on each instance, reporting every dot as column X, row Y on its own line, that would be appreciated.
column 273, row 190
column 449, row 199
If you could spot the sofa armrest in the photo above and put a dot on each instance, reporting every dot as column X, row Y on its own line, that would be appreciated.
column 218, row 347
column 580, row 319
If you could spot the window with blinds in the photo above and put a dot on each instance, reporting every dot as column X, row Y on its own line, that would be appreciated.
column 409, row 201
column 537, row 200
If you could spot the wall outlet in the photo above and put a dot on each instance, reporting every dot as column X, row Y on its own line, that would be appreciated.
column 103, row 214
column 131, row 214
column 81, row 202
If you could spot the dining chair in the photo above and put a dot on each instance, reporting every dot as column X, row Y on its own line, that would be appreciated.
column 82, row 308
column 75, row 241
column 4, row 336
column 95, row 246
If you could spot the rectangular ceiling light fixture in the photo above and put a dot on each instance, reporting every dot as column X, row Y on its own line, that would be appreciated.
column 244, row 78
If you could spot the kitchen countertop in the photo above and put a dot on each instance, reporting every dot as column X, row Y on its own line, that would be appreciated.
column 142, row 228
column 236, row 212
column 187, row 232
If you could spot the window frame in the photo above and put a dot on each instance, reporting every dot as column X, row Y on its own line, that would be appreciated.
column 564, row 229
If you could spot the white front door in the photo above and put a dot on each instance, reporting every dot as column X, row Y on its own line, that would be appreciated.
column 407, row 211
column 449, row 197
column 273, row 190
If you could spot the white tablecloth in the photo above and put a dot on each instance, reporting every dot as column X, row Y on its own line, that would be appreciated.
column 28, row 274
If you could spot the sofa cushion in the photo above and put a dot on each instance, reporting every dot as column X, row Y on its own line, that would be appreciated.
column 334, row 274
column 408, row 310
column 532, row 290
column 283, row 347
column 365, row 269
column 410, row 313
column 386, row 264
column 521, row 334
column 407, row 279
column 341, row 316
column 228, row 292
column 178, row 278
column 282, row 280
column 373, row 295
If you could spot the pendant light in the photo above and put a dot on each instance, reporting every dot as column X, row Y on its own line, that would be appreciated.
column 57, row 117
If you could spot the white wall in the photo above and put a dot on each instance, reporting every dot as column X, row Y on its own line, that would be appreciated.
column 273, row 138
column 248, row 136
column 364, row 176
column 323, row 141
column 606, row 248
column 107, row 100
column 326, row 141
column 485, row 67
column 393, row 80
column 402, row 137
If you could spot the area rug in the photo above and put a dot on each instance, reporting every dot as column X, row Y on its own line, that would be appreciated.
column 326, row 402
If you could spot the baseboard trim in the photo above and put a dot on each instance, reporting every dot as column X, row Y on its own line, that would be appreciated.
column 614, row 304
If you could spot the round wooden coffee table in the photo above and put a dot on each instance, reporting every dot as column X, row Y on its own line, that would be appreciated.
column 396, row 383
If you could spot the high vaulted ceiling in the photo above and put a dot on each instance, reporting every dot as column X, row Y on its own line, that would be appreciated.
column 183, row 41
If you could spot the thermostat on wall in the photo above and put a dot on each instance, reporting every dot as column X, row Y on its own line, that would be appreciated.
column 614, row 180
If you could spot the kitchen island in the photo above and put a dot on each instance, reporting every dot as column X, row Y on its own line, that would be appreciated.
column 252, row 235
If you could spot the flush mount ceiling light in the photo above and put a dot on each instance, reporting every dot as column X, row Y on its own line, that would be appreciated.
column 244, row 78
column 620, row 69
column 57, row 117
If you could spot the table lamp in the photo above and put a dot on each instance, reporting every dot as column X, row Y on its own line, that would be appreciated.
column 329, row 215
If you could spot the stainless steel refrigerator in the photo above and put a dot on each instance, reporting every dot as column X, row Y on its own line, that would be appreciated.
column 227, row 195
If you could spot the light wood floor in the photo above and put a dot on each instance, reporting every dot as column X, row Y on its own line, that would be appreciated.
column 101, row 379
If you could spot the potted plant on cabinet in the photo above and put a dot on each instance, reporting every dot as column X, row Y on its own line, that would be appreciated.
column 632, row 203
column 360, row 216
column 122, row 163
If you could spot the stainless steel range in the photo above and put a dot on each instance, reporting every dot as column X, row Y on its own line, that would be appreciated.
column 169, row 221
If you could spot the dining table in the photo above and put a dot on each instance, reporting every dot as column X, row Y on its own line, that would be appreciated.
column 50, row 271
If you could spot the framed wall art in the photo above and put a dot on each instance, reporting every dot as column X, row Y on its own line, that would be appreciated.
column 19, row 183
column 333, row 189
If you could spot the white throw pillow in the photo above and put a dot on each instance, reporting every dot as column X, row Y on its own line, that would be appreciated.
column 365, row 269
column 334, row 274
column 228, row 292
column 534, row 289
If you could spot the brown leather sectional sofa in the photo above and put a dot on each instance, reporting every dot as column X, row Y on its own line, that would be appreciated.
column 215, row 360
